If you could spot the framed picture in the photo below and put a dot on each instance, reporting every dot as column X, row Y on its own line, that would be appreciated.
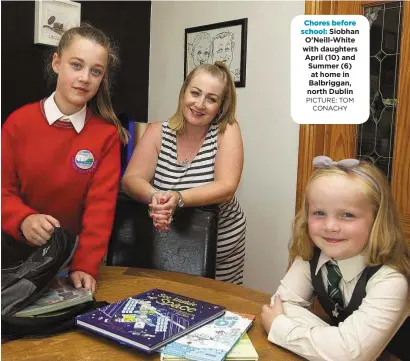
column 224, row 41
column 53, row 18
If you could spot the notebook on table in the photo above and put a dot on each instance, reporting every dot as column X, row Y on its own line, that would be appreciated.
column 242, row 351
column 213, row 341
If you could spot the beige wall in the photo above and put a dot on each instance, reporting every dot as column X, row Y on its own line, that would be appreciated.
column 267, row 189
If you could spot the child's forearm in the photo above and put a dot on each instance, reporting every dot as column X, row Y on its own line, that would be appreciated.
column 289, row 296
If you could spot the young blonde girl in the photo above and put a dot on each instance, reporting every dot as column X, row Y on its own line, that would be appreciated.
column 348, row 250
column 61, row 158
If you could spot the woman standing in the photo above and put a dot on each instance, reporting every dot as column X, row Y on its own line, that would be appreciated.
column 194, row 159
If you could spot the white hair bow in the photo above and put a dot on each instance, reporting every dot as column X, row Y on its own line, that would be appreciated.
column 322, row 162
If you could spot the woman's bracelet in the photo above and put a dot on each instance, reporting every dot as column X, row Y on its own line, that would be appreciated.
column 180, row 201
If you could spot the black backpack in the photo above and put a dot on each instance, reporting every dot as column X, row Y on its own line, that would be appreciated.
column 27, row 276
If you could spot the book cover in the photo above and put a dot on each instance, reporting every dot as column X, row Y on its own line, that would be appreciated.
column 151, row 319
column 213, row 341
column 60, row 295
column 242, row 351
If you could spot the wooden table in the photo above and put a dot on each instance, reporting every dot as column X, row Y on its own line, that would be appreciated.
column 116, row 283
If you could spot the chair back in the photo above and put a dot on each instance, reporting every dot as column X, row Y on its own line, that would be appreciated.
column 189, row 247
column 190, row 244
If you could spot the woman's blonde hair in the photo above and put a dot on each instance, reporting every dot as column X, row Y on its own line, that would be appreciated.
column 100, row 104
column 386, row 243
column 227, row 110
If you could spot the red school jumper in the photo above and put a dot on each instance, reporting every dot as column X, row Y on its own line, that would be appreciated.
column 52, row 169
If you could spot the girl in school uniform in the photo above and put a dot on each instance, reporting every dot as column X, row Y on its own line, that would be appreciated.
column 348, row 250
column 61, row 158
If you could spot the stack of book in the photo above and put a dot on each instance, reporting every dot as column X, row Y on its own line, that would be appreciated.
column 211, row 342
column 177, row 326
column 60, row 295
column 151, row 319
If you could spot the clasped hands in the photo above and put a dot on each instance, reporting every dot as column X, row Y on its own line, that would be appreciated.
column 38, row 229
column 162, row 208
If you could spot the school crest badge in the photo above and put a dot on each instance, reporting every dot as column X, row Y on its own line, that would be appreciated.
column 84, row 161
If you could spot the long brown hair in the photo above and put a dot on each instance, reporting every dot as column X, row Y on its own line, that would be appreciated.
column 386, row 244
column 227, row 108
column 100, row 104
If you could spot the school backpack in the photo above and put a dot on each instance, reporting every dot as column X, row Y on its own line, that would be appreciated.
column 26, row 280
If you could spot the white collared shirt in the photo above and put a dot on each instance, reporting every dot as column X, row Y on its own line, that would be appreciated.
column 362, row 336
column 53, row 114
column 351, row 270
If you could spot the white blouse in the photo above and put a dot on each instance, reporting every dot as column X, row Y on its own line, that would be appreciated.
column 362, row 336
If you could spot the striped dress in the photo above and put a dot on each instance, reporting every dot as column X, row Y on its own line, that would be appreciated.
column 169, row 175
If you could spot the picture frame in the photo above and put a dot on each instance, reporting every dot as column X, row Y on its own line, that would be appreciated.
column 225, row 41
column 53, row 18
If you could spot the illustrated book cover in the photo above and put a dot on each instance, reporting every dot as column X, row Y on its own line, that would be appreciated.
column 151, row 319
column 213, row 341
column 242, row 351
column 60, row 295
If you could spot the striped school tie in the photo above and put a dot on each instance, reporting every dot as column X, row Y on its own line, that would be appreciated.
column 333, row 278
